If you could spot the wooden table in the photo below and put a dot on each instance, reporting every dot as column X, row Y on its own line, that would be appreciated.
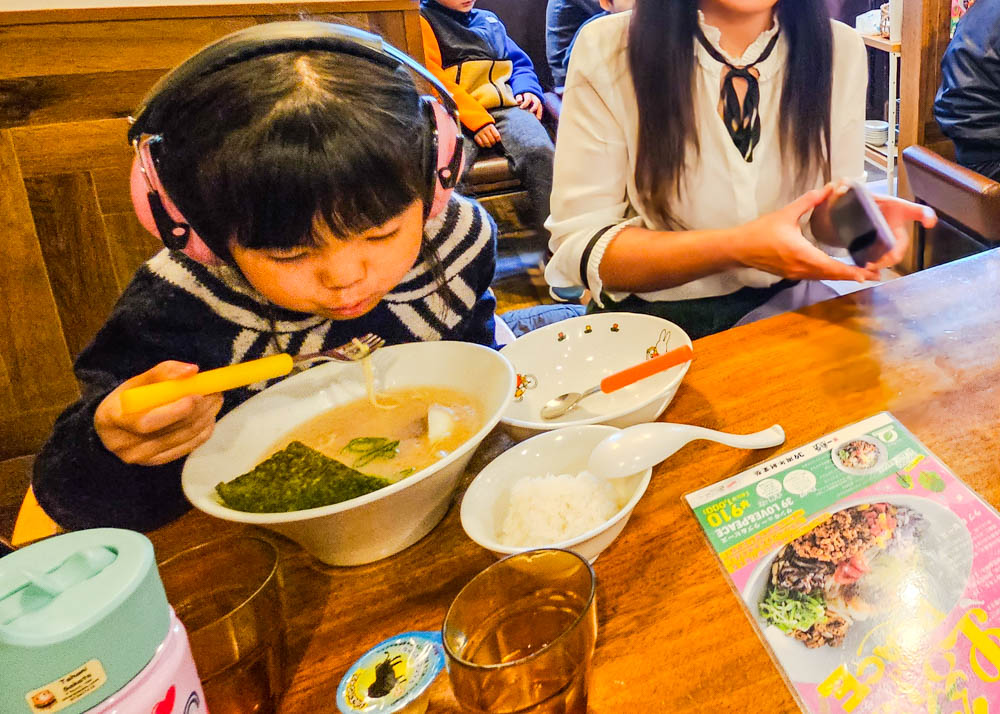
column 673, row 637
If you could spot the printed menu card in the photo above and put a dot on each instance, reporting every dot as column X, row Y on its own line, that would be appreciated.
column 871, row 572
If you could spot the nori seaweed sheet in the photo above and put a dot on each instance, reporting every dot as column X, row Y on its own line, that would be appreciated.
column 296, row 478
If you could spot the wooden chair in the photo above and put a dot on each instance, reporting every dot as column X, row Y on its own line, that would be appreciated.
column 967, row 204
column 21, row 518
column 492, row 182
column 15, row 478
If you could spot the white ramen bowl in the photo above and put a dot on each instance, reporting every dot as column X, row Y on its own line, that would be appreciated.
column 378, row 524
column 576, row 354
column 563, row 451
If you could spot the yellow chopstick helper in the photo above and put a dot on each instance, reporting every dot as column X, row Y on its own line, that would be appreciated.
column 148, row 396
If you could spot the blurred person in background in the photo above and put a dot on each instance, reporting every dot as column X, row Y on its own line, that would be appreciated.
column 608, row 7
column 563, row 19
column 967, row 106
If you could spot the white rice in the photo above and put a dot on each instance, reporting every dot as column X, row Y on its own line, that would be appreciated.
column 544, row 510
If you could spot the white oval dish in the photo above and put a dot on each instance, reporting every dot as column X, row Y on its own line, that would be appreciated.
column 575, row 354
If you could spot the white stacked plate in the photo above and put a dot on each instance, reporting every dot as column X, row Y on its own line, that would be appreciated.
column 876, row 132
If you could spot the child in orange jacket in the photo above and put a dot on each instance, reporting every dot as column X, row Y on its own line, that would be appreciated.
column 496, row 89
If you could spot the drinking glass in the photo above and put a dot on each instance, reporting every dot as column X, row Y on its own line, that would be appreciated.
column 226, row 593
column 520, row 636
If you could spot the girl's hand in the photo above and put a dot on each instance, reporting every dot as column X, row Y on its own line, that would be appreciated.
column 162, row 434
column 774, row 243
column 531, row 103
column 487, row 136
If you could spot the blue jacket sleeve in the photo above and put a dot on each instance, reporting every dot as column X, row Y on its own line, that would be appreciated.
column 80, row 484
column 523, row 77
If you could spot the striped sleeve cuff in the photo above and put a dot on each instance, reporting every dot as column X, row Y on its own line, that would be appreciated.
column 590, row 260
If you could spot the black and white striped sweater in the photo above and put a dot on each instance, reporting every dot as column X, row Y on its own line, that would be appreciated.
column 177, row 309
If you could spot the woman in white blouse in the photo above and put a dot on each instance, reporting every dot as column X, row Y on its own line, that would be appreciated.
column 696, row 138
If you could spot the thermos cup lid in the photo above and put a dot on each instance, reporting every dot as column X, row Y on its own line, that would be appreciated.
column 80, row 615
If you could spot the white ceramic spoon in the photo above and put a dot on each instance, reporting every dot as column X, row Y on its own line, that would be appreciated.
column 638, row 447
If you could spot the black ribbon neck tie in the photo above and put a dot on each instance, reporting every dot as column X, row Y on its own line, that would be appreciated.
column 742, row 121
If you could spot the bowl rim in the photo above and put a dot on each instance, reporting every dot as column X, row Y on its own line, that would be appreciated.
column 209, row 506
column 623, row 512
column 542, row 425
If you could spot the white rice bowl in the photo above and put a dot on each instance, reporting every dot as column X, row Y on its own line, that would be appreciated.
column 553, row 508
column 492, row 494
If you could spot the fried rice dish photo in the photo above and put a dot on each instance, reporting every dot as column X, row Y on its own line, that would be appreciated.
column 847, row 568
column 858, row 454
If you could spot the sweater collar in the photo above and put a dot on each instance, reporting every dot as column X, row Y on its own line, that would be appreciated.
column 464, row 18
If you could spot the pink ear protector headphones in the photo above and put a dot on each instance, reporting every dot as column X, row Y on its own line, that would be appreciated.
column 442, row 144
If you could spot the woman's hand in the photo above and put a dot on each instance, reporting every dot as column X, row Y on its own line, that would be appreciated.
column 899, row 214
column 774, row 243
column 164, row 433
column 530, row 102
column 487, row 136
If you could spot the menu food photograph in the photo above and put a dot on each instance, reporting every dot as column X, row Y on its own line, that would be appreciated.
column 870, row 571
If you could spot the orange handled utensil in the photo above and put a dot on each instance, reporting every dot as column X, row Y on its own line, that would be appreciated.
column 148, row 396
column 555, row 408
column 616, row 381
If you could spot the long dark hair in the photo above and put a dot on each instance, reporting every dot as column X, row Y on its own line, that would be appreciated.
column 662, row 62
column 257, row 150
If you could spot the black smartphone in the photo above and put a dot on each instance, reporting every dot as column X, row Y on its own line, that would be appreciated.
column 860, row 226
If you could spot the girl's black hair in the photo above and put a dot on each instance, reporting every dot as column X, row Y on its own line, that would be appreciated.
column 257, row 151
column 662, row 61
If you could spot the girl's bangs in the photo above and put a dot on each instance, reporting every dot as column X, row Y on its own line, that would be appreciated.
column 354, row 181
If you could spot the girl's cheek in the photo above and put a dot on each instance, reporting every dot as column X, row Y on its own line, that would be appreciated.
column 290, row 279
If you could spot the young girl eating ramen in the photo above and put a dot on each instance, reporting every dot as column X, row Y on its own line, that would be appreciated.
column 302, row 185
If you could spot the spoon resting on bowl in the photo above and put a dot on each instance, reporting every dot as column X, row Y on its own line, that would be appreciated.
column 555, row 408
column 221, row 379
column 636, row 448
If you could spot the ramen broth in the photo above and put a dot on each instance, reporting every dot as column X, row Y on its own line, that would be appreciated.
column 398, row 414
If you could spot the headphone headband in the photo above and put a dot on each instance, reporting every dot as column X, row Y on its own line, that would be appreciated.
column 442, row 138
column 272, row 39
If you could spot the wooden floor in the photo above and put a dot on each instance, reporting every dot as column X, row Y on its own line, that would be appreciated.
column 519, row 281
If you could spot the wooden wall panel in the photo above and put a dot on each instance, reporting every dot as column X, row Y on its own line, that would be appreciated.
column 112, row 186
column 75, row 245
column 69, row 148
column 8, row 401
column 130, row 245
column 925, row 38
column 37, row 376
column 68, row 236
column 414, row 41
column 360, row 20
column 87, row 47
column 24, row 433
column 72, row 98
